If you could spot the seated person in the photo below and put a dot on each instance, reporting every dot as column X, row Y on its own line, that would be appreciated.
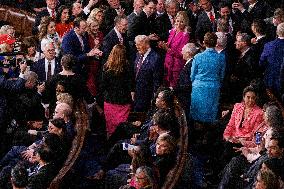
column 246, row 116
column 266, row 179
column 19, row 177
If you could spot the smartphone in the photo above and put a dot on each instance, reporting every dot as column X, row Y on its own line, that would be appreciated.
column 257, row 138
column 126, row 146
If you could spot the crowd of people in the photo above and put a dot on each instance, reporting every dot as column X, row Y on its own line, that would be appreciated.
column 214, row 63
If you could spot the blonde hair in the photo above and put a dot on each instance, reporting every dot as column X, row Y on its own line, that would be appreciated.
column 117, row 59
column 45, row 21
column 184, row 17
column 65, row 98
column 172, row 145
column 4, row 29
column 94, row 12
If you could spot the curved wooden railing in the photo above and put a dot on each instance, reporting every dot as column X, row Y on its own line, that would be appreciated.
column 176, row 173
column 21, row 20
column 81, row 126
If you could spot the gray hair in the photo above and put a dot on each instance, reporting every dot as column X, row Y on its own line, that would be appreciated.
column 142, row 38
column 66, row 108
column 30, row 76
column 169, row 2
column 245, row 38
column 274, row 116
column 221, row 39
column 4, row 29
column 45, row 45
column 148, row 173
column 190, row 48
column 280, row 30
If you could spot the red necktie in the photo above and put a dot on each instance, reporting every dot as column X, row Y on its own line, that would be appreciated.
column 211, row 17
column 139, row 64
column 48, row 71
column 53, row 14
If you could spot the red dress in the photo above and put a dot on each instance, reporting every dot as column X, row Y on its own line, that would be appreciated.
column 63, row 28
column 93, row 67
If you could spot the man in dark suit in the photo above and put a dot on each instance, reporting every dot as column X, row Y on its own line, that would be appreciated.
column 115, row 9
column 75, row 42
column 162, row 23
column 245, row 68
column 206, row 20
column 78, row 11
column 272, row 61
column 48, row 66
column 148, row 74
column 250, row 11
column 116, row 36
column 49, row 11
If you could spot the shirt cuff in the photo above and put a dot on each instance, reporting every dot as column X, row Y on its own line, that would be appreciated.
column 86, row 10
column 21, row 75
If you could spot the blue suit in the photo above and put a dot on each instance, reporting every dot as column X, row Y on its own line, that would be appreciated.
column 39, row 69
column 72, row 45
column 148, row 80
column 271, row 60
column 207, row 73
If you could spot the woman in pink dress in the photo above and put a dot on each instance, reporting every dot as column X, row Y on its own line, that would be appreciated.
column 179, row 36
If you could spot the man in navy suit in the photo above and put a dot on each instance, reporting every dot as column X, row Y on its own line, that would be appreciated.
column 49, row 11
column 41, row 66
column 272, row 61
column 116, row 36
column 75, row 42
column 148, row 73
column 206, row 20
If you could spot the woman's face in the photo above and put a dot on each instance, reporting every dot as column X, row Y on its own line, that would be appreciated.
column 179, row 23
column 159, row 101
column 264, row 167
column 94, row 27
column 249, row 99
column 99, row 17
column 51, row 28
column 59, row 89
column 65, row 15
column 53, row 129
column 162, row 147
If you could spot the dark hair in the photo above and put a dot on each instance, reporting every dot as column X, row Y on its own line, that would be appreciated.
column 168, row 98
column 223, row 5
column 118, row 19
column 142, row 157
column 45, row 154
column 210, row 39
column 77, row 21
column 276, row 166
column 259, row 26
column 19, row 176
column 149, row 1
column 249, row 89
column 28, row 42
column 59, row 123
column 53, row 142
column 68, row 61
column 278, row 135
column 59, row 13
column 166, row 120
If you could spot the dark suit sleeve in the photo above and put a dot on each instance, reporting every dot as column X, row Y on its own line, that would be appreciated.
column 67, row 48
column 12, row 86
column 157, row 72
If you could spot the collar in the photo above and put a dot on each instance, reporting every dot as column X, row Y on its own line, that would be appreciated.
column 146, row 54
column 51, row 61
column 145, row 13
column 50, row 11
column 243, row 53
column 260, row 37
column 135, row 12
column 252, row 5
column 188, row 61
column 212, row 10
column 117, row 33
column 280, row 37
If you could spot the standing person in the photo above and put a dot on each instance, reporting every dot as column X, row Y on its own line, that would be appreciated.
column 174, row 62
column 207, row 73
column 63, row 24
column 118, row 86
column 147, row 73
column 95, row 37
column 48, row 34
